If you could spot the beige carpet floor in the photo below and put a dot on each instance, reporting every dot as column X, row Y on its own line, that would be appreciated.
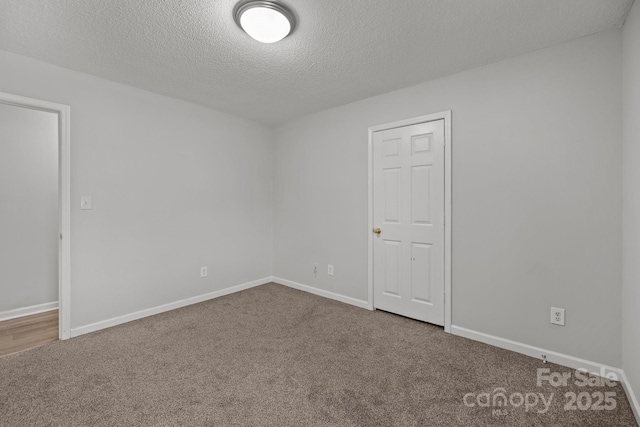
column 273, row 356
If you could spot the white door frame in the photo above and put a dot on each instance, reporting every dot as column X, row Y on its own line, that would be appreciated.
column 64, row 192
column 446, row 116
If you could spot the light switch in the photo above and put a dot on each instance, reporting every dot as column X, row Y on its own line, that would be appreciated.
column 85, row 202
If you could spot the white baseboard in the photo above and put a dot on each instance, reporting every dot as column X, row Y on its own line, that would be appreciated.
column 28, row 311
column 165, row 307
column 322, row 293
column 536, row 352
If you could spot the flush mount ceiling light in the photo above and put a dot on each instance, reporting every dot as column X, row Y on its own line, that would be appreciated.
column 265, row 21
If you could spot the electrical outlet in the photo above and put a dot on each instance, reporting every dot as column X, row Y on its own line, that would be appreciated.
column 85, row 203
column 203, row 272
column 557, row 316
column 316, row 268
column 330, row 270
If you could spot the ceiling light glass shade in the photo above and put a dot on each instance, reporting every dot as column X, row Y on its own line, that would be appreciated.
column 265, row 21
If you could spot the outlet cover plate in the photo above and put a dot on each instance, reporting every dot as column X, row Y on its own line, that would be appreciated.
column 85, row 203
column 557, row 316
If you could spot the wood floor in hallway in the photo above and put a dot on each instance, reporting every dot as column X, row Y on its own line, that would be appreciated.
column 28, row 332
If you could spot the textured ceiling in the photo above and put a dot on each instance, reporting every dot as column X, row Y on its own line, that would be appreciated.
column 341, row 51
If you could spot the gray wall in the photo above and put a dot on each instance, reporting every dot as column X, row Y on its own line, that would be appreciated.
column 175, row 186
column 28, row 207
column 631, row 205
column 536, row 194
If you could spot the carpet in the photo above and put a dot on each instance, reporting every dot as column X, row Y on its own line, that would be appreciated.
column 274, row 356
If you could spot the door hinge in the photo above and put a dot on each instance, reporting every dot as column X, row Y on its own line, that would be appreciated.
column 60, row 236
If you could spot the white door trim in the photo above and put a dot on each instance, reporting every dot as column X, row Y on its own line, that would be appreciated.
column 446, row 116
column 64, row 193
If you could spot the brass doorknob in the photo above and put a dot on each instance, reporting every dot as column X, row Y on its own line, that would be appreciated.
column 377, row 230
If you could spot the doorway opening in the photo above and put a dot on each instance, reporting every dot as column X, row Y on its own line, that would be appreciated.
column 19, row 109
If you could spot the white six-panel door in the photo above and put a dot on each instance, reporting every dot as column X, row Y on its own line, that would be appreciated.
column 408, row 220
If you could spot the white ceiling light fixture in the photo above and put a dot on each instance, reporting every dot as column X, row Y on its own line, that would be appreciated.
column 265, row 21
